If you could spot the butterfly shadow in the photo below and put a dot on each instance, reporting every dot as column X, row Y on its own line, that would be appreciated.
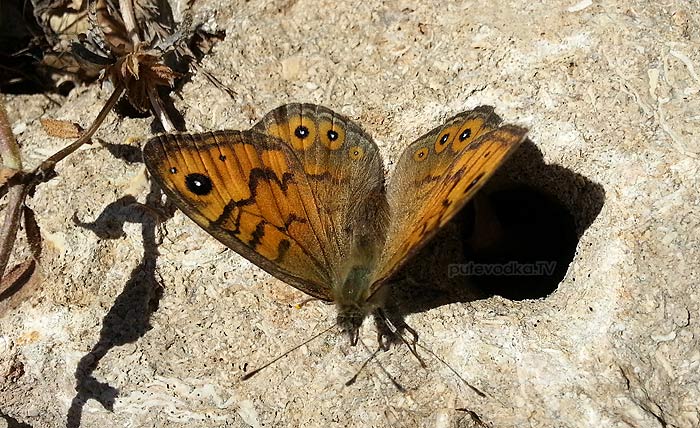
column 128, row 318
column 516, row 239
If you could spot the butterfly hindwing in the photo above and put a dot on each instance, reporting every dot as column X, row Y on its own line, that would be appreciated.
column 346, row 175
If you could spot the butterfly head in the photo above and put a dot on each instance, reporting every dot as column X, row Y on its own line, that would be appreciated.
column 354, row 301
column 350, row 320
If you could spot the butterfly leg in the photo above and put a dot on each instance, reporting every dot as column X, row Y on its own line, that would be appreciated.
column 387, row 333
column 395, row 333
column 414, row 334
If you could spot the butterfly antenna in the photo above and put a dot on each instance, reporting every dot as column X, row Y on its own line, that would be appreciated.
column 362, row 367
column 395, row 331
column 437, row 357
column 287, row 352
column 414, row 344
column 372, row 356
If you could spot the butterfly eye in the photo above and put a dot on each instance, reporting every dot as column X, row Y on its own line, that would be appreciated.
column 199, row 184
column 356, row 153
column 421, row 154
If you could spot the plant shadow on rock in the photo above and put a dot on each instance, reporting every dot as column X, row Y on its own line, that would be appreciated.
column 515, row 240
column 12, row 422
column 128, row 318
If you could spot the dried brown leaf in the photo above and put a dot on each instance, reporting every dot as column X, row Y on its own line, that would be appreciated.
column 17, row 285
column 61, row 128
column 114, row 32
column 139, row 71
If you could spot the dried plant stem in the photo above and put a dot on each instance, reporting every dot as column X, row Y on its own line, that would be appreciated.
column 9, row 150
column 8, row 233
column 159, row 110
column 47, row 166
column 126, row 7
column 11, row 158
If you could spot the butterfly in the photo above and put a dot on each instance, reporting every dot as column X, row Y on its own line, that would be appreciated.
column 302, row 195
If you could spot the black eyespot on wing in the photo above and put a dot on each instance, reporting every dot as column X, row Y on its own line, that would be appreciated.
column 173, row 170
column 357, row 153
column 465, row 134
column 332, row 135
column 199, row 184
column 222, row 157
column 421, row 154
column 444, row 138
column 301, row 132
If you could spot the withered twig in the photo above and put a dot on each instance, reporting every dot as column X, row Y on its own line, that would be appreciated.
column 9, row 150
column 46, row 167
column 11, row 158
column 44, row 172
column 126, row 7
column 8, row 233
column 159, row 111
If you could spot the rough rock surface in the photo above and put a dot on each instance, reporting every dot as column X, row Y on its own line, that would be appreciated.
column 134, row 324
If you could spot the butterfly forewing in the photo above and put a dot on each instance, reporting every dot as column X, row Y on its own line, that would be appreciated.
column 246, row 189
column 435, row 177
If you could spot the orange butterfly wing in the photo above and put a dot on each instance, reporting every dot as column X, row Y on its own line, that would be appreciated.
column 346, row 175
column 243, row 189
column 436, row 176
column 294, row 203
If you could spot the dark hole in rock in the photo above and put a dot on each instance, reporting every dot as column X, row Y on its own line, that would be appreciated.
column 524, row 248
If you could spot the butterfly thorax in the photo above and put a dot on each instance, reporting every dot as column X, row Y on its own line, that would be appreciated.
column 354, row 302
